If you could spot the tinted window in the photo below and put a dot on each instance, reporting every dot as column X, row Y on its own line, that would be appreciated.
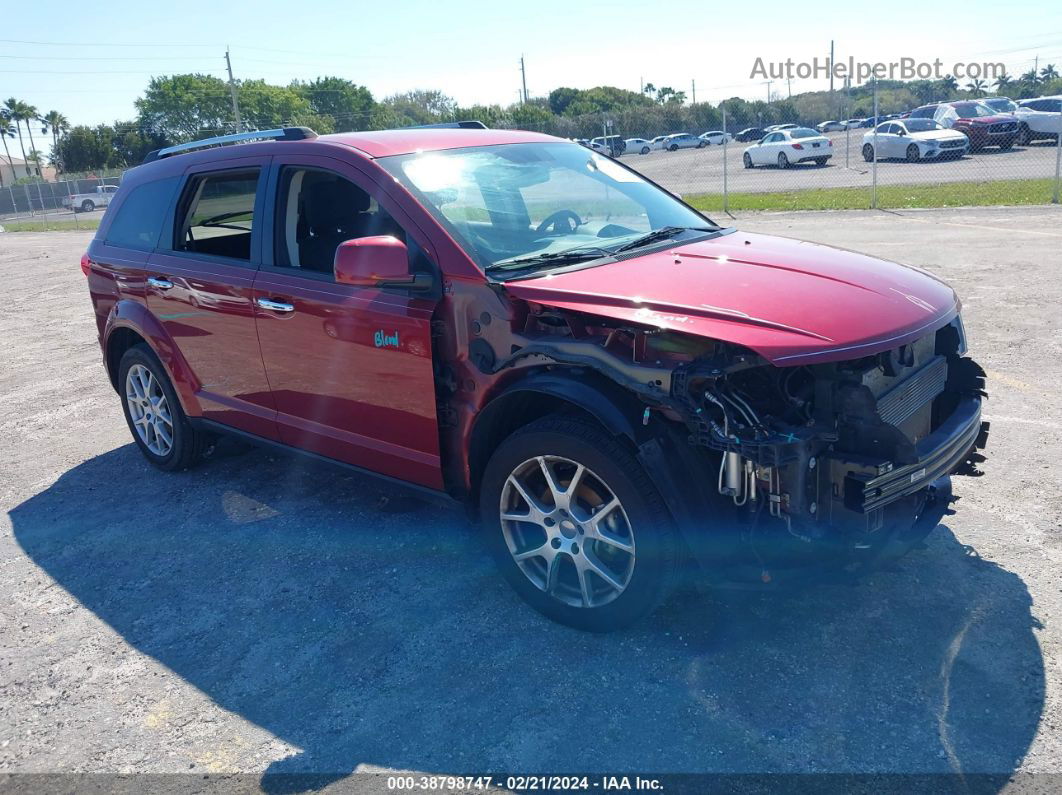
column 217, row 212
column 924, row 113
column 138, row 223
column 922, row 125
column 803, row 132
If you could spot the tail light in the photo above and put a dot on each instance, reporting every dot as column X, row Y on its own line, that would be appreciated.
column 798, row 146
column 829, row 142
column 86, row 264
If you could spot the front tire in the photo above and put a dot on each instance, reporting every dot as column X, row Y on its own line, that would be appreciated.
column 154, row 415
column 645, row 150
column 912, row 153
column 673, row 148
column 868, row 152
column 747, row 160
column 1024, row 135
column 577, row 526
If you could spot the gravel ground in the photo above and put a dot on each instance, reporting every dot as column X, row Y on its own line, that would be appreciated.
column 263, row 614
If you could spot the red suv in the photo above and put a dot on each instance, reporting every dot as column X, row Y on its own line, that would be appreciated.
column 983, row 125
column 616, row 385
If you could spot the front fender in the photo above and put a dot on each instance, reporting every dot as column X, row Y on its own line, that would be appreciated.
column 135, row 317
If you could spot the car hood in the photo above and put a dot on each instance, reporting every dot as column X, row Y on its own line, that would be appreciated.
column 999, row 117
column 937, row 135
column 789, row 301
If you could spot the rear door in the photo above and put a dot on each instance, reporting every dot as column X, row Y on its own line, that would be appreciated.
column 199, row 286
column 350, row 367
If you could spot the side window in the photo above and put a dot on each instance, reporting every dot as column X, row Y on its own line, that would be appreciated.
column 216, row 214
column 317, row 210
column 141, row 215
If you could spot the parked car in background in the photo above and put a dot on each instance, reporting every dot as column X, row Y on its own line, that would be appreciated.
column 982, row 125
column 913, row 140
column 852, row 124
column 658, row 142
column 716, row 137
column 1039, row 118
column 87, row 202
column 830, row 126
column 611, row 145
column 683, row 141
column 638, row 146
column 1001, row 104
column 750, row 134
column 784, row 148
column 776, row 127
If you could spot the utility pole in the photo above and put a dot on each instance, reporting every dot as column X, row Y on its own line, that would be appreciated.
column 523, row 78
column 693, row 87
column 831, row 68
column 768, row 84
column 789, row 86
column 232, row 89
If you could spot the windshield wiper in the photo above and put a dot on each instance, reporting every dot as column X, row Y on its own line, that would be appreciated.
column 663, row 233
column 554, row 258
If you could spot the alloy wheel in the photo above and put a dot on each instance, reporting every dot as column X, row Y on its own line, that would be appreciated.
column 149, row 410
column 567, row 531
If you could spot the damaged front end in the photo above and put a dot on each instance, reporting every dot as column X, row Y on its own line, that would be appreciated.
column 843, row 463
column 785, row 471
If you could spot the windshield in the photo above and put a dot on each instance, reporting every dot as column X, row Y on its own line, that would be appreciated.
column 1001, row 104
column 530, row 204
column 922, row 125
column 972, row 110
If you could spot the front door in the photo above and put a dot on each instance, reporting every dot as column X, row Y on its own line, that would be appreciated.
column 350, row 368
column 199, row 286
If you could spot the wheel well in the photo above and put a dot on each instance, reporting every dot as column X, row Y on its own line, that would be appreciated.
column 121, row 340
column 509, row 413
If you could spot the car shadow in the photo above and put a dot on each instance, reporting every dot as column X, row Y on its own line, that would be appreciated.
column 368, row 629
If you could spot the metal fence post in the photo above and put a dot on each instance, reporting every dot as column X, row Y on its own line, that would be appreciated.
column 874, row 165
column 726, row 194
column 72, row 212
column 1058, row 158
column 847, row 142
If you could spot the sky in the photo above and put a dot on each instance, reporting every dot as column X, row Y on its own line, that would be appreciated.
column 91, row 61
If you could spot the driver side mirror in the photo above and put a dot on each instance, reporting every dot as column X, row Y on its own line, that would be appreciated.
column 379, row 261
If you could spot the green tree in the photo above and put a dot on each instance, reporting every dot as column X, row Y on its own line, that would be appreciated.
column 7, row 130
column 976, row 87
column 264, row 106
column 349, row 104
column 1048, row 73
column 87, row 149
column 413, row 107
column 1030, row 77
column 185, row 107
column 1003, row 82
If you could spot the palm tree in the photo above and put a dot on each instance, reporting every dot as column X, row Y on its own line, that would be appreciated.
column 16, row 111
column 976, row 87
column 6, row 131
column 1003, row 81
column 57, row 123
column 1030, row 77
column 32, row 115
column 1048, row 73
column 649, row 89
column 949, row 83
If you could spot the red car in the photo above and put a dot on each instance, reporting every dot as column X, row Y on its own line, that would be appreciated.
column 981, row 124
column 615, row 384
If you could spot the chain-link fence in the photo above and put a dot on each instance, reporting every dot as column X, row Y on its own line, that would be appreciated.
column 75, row 200
column 975, row 151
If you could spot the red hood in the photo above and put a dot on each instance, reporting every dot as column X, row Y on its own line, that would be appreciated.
column 791, row 302
column 1000, row 117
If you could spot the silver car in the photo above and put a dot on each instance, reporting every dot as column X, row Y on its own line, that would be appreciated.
column 914, row 140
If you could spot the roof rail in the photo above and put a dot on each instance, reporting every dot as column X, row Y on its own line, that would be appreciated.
column 464, row 125
column 281, row 134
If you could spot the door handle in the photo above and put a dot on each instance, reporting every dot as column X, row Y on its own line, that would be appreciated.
column 274, row 306
column 162, row 284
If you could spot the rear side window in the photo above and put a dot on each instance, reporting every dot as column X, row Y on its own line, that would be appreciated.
column 217, row 213
column 140, row 217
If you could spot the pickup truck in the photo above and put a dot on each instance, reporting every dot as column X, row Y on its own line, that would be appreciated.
column 87, row 202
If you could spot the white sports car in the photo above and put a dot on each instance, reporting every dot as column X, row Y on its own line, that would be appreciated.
column 913, row 140
column 784, row 148
column 717, row 137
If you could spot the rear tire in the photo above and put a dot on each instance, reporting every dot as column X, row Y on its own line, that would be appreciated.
column 154, row 415
column 673, row 148
column 87, row 206
column 821, row 161
column 562, row 581
column 1024, row 134
column 645, row 150
column 783, row 161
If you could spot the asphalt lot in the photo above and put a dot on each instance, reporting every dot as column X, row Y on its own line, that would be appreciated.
column 689, row 171
column 264, row 614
